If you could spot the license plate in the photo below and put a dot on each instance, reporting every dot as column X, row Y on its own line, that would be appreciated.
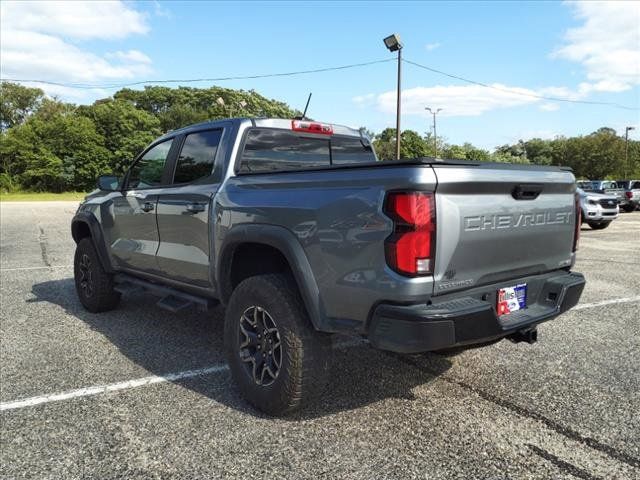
column 511, row 299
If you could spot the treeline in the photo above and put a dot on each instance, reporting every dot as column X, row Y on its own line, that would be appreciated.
column 599, row 155
column 49, row 145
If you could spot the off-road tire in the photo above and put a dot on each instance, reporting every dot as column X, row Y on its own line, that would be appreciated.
column 599, row 226
column 305, row 356
column 99, row 295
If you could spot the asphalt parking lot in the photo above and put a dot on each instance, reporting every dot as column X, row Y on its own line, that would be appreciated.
column 143, row 393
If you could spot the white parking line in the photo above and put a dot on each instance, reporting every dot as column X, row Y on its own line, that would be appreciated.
column 17, row 269
column 170, row 377
column 606, row 302
column 114, row 387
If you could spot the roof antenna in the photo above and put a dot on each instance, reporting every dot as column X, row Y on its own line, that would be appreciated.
column 304, row 114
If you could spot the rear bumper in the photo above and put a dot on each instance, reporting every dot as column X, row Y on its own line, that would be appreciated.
column 468, row 319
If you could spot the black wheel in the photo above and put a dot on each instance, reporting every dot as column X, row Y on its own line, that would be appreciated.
column 599, row 226
column 277, row 359
column 629, row 208
column 93, row 284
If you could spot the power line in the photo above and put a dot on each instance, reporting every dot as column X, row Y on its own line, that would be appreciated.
column 194, row 80
column 321, row 70
column 518, row 92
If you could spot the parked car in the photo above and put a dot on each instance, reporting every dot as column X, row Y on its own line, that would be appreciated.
column 608, row 187
column 298, row 230
column 632, row 192
column 598, row 210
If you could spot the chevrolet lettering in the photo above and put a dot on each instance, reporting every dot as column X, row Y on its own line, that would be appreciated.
column 496, row 222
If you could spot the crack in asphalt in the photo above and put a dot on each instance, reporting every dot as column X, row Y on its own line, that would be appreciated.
column 564, row 466
column 567, row 432
column 42, row 240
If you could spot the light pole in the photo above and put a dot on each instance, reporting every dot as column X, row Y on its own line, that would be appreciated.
column 626, row 150
column 435, row 135
column 392, row 42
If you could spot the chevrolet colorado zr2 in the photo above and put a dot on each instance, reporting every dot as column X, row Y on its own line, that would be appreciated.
column 301, row 233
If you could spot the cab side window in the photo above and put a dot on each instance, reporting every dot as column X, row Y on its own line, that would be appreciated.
column 197, row 156
column 147, row 171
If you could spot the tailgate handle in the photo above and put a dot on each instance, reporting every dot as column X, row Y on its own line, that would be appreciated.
column 527, row 191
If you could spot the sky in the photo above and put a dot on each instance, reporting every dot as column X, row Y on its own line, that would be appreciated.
column 587, row 51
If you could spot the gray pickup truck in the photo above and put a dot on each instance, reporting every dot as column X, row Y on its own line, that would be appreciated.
column 301, row 233
column 632, row 194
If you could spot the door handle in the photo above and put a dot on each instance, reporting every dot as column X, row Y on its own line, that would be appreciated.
column 195, row 207
column 527, row 191
column 147, row 207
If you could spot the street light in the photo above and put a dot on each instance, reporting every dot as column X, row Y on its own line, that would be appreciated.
column 435, row 136
column 392, row 42
column 626, row 150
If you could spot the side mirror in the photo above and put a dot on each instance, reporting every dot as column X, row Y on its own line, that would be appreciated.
column 108, row 183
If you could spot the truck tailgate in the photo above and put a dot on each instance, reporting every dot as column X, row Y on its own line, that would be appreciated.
column 496, row 223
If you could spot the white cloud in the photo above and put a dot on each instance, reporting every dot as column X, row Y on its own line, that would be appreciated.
column 46, row 57
column 432, row 46
column 43, row 40
column 607, row 45
column 80, row 20
column 455, row 100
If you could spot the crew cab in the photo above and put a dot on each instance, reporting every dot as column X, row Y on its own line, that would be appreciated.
column 301, row 233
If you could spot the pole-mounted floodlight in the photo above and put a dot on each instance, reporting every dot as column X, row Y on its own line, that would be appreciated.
column 392, row 42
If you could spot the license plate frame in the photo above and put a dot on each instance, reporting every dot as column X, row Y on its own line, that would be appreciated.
column 511, row 299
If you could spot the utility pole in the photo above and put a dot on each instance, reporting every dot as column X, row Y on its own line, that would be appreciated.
column 435, row 134
column 626, row 151
column 392, row 42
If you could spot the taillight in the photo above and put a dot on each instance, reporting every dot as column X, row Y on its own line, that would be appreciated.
column 576, row 233
column 311, row 127
column 410, row 249
column 629, row 195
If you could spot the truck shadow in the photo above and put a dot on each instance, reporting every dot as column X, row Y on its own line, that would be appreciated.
column 162, row 342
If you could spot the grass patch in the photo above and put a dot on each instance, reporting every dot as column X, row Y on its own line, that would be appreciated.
column 40, row 196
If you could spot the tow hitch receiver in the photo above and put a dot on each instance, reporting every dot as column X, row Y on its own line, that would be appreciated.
column 529, row 335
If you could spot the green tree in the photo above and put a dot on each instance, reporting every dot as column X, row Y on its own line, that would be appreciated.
column 178, row 107
column 467, row 151
column 412, row 145
column 126, row 130
column 55, row 150
column 17, row 103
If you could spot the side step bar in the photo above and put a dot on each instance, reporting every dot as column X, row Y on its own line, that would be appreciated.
column 172, row 299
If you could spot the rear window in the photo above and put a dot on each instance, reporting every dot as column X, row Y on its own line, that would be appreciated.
column 270, row 150
column 275, row 150
column 350, row 151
